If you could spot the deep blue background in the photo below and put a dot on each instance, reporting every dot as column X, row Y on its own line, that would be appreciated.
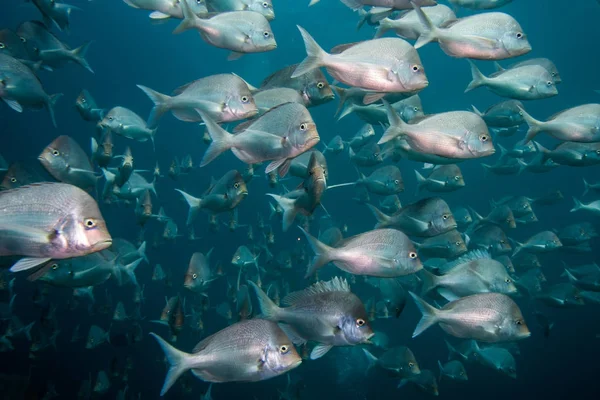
column 129, row 50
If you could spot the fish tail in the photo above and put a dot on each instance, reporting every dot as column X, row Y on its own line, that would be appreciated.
column 289, row 209
column 382, row 219
column 162, row 104
column 586, row 187
column 476, row 111
column 79, row 53
column 441, row 367
column 578, row 205
column 341, row 93
column 314, row 55
column 322, row 253
column 50, row 105
column 431, row 31
column 396, row 127
column 430, row 315
column 221, row 140
column 190, row 20
column 370, row 358
column 363, row 15
column 194, row 204
column 430, row 281
column 420, row 181
column 129, row 269
column 384, row 26
column 142, row 250
column 268, row 309
column 478, row 79
column 535, row 126
column 313, row 2
column 179, row 362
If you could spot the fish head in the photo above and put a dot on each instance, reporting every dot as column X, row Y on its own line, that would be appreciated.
column 240, row 104
column 480, row 143
column 410, row 74
column 58, row 271
column 515, row 41
column 280, row 355
column 53, row 158
column 264, row 7
column 236, row 188
column 303, row 134
column 84, row 229
column 513, row 325
column 353, row 326
column 261, row 38
column 407, row 260
column 409, row 365
column 443, row 220
column 317, row 90
column 107, row 145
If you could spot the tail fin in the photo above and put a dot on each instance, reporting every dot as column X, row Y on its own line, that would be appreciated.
column 322, row 254
column 289, row 210
column 221, row 140
column 190, row 20
column 161, row 105
column 421, row 180
column 371, row 358
column 383, row 220
column 142, row 252
column 268, row 309
column 586, row 186
column 384, row 26
column 535, row 126
column 578, row 205
column 50, row 105
column 78, row 55
column 129, row 269
column 348, row 109
column 430, row 281
column 341, row 93
column 476, row 111
column 314, row 55
column 431, row 31
column 396, row 124
column 478, row 78
column 178, row 362
column 194, row 204
column 430, row 315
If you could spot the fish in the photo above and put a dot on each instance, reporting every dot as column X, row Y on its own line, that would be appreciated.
column 443, row 178
column 457, row 134
column 380, row 252
column 21, row 173
column 394, row 4
column 52, row 52
column 341, row 318
column 279, row 135
column 248, row 351
column 425, row 381
column 269, row 98
column 50, row 220
column 542, row 242
column 362, row 137
column 368, row 156
column 55, row 13
column 224, row 97
column 312, row 86
column 198, row 276
column 577, row 124
column 480, row 4
column 427, row 217
column 371, row 65
column 474, row 272
column 454, row 370
column 486, row 36
column 445, row 245
column 90, row 270
column 66, row 161
column 165, row 9
column 265, row 7
column 128, row 124
column 222, row 195
column 239, row 31
column 335, row 146
column 574, row 234
column 573, row 154
column 561, row 295
column 501, row 215
column 243, row 256
column 96, row 337
column 486, row 317
column 497, row 358
column 506, row 114
column 408, row 109
column 399, row 360
column 409, row 26
column 491, row 238
column 87, row 107
column 384, row 181
column 527, row 82
column 21, row 88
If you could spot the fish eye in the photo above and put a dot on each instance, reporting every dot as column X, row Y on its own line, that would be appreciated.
column 445, row 216
column 2, row 45
column 90, row 223
column 54, row 266
column 549, row 83
column 397, row 182
column 320, row 85
column 508, row 220
column 457, row 178
column 415, row 68
column 266, row 34
column 236, row 185
column 83, row 100
column 284, row 349
column 415, row 109
column 360, row 322
column 194, row 276
column 110, row 118
column 597, row 151
column 245, row 99
column 376, row 154
column 412, row 255
column 55, row 152
column 237, row 257
column 519, row 35
column 411, row 365
column 302, row 127
column 519, row 322
column 508, row 280
column 483, row 138
column 502, row 241
column 521, row 113
column 22, row 39
column 265, row 4
column 457, row 243
column 13, row 179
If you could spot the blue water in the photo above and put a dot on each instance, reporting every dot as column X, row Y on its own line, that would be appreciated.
column 128, row 50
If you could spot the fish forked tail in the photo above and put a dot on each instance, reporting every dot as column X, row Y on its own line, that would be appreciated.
column 384, row 26
column 586, row 187
column 289, row 210
column 162, row 104
column 194, row 203
column 190, row 20
column 397, row 125
column 78, row 55
column 430, row 315
column 221, row 139
column 429, row 280
column 322, row 253
column 268, row 309
column 478, row 79
column 51, row 102
column 370, row 358
column 534, row 125
column 179, row 362
column 383, row 219
column 314, row 55
column 431, row 33
column 578, row 205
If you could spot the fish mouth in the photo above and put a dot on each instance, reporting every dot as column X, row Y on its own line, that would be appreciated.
column 312, row 141
column 104, row 244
